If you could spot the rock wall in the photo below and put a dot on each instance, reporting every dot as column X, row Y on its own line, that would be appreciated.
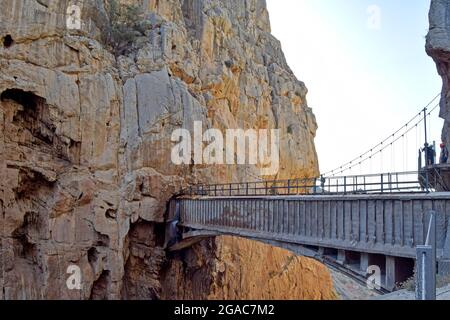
column 438, row 47
column 59, row 148
column 85, row 170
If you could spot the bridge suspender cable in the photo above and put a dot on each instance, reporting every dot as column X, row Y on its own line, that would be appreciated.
column 376, row 149
column 380, row 151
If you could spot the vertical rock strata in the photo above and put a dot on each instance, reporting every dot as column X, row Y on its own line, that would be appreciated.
column 438, row 47
column 85, row 166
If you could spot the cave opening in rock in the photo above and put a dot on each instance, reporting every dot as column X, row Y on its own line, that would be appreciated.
column 25, row 98
column 33, row 114
column 8, row 41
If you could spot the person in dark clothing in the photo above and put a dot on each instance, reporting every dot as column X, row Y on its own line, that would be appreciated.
column 444, row 154
column 430, row 154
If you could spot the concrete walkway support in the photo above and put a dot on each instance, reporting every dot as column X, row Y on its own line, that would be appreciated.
column 391, row 273
column 364, row 263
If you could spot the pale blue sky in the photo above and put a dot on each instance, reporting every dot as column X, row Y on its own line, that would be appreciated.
column 364, row 79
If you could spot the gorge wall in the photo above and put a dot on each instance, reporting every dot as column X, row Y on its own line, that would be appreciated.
column 438, row 47
column 85, row 170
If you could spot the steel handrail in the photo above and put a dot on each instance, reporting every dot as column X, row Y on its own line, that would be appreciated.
column 356, row 184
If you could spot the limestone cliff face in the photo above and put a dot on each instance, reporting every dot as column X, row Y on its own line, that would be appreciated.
column 85, row 169
column 438, row 47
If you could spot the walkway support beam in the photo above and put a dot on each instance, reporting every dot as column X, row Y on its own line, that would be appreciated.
column 390, row 225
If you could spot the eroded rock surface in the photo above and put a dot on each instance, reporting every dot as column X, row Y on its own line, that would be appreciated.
column 85, row 169
column 438, row 47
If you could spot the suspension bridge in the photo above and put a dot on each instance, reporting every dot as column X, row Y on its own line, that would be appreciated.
column 349, row 222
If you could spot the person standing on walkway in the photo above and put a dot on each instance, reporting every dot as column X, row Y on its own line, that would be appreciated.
column 430, row 155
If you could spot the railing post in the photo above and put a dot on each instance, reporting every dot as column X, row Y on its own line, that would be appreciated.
column 382, row 183
column 246, row 189
column 289, row 187
column 345, row 185
column 426, row 264
column 267, row 188
column 390, row 182
column 424, row 283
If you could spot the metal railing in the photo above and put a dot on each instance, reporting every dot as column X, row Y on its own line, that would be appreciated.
column 398, row 182
column 438, row 180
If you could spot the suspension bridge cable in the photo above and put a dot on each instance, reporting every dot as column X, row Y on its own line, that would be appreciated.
column 383, row 141
column 380, row 151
